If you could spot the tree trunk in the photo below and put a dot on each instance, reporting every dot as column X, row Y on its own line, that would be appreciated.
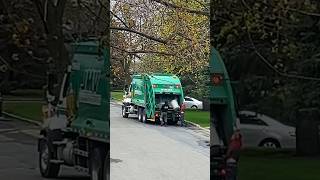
column 52, row 15
column 307, row 132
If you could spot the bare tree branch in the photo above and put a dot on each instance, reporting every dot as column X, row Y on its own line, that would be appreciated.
column 20, row 71
column 127, row 29
column 119, row 19
column 188, row 10
column 265, row 61
column 150, row 52
column 141, row 34
column 304, row 12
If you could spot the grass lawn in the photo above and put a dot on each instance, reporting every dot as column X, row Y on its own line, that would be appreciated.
column 30, row 110
column 199, row 117
column 117, row 95
column 26, row 93
column 268, row 165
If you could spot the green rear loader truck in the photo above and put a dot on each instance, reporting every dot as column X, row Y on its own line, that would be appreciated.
column 76, row 130
column 148, row 92
column 223, row 115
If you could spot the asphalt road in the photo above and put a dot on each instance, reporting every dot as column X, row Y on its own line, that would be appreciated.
column 18, row 153
column 138, row 151
column 152, row 152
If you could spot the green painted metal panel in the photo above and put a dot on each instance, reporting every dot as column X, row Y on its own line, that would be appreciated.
column 221, row 95
column 150, row 103
column 90, row 79
column 138, row 92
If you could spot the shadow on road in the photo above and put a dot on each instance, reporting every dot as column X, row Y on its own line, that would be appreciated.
column 74, row 177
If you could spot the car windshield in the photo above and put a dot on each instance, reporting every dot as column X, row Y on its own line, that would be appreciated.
column 266, row 119
column 275, row 122
column 251, row 120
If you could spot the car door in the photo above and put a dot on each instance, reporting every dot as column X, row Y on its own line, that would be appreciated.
column 253, row 130
column 188, row 102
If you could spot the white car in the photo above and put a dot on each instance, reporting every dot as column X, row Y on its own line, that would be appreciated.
column 192, row 103
column 259, row 130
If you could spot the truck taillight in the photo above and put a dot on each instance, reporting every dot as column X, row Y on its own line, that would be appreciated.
column 154, row 85
column 216, row 79
column 178, row 85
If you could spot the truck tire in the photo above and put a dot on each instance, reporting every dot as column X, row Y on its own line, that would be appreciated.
column 144, row 116
column 46, row 153
column 124, row 112
column 106, row 168
column 96, row 165
column 140, row 115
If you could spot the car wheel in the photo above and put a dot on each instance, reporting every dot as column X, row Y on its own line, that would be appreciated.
column 194, row 107
column 270, row 143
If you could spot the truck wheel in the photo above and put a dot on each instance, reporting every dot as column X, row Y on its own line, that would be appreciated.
column 124, row 112
column 140, row 114
column 96, row 165
column 47, row 169
column 144, row 116
column 106, row 169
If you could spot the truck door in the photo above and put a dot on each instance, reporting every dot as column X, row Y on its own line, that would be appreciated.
column 90, row 82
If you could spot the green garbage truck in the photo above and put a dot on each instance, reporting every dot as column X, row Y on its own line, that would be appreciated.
column 148, row 92
column 223, row 115
column 76, row 130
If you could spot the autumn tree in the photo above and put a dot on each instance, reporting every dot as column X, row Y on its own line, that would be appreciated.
column 22, row 49
column 272, row 49
column 165, row 36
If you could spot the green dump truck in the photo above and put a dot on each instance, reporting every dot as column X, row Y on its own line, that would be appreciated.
column 223, row 115
column 148, row 92
column 76, row 132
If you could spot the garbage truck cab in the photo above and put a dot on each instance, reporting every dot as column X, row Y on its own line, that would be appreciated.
column 76, row 132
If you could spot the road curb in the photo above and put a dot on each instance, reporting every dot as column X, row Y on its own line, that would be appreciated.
column 23, row 119
column 197, row 125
